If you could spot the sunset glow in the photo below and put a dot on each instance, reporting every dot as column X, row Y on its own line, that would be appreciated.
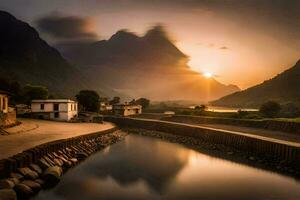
column 207, row 74
column 195, row 99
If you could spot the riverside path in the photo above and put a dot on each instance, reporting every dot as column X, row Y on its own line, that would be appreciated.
column 33, row 132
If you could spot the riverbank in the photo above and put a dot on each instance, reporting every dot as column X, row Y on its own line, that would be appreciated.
column 284, row 154
column 41, row 167
column 266, row 162
column 142, row 167
column 288, row 126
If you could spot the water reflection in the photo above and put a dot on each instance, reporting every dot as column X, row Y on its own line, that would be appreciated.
column 146, row 168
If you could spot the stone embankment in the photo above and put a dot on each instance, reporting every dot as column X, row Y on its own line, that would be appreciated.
column 285, row 126
column 287, row 153
column 26, row 173
column 261, row 161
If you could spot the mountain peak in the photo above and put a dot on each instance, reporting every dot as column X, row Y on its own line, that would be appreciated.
column 4, row 14
column 157, row 33
column 123, row 35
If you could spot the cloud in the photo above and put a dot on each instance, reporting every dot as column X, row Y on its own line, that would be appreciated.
column 224, row 48
column 67, row 27
column 215, row 46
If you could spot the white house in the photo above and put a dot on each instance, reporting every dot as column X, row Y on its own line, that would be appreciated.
column 55, row 109
column 3, row 101
column 7, row 114
column 105, row 106
column 126, row 109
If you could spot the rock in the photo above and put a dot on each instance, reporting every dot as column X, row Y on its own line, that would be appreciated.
column 58, row 162
column 55, row 154
column 36, row 168
column 63, row 159
column 52, row 176
column 40, row 181
column 49, row 161
column 35, row 187
column 67, row 164
column 43, row 164
column 14, row 180
column 28, row 173
column 23, row 191
column 6, row 184
column 8, row 194
column 65, row 156
column 17, row 176
column 81, row 156
column 74, row 161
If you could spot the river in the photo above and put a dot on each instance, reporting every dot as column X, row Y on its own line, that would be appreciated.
column 149, row 169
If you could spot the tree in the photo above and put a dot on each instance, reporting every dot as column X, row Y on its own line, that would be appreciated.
column 202, row 107
column 88, row 100
column 13, row 87
column 31, row 92
column 143, row 102
column 270, row 109
column 115, row 100
column 133, row 102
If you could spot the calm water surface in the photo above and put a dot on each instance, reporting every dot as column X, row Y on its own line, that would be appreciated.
column 147, row 168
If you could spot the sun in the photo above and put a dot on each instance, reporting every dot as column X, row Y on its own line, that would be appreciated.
column 207, row 74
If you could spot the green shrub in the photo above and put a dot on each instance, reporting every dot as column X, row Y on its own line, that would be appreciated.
column 270, row 109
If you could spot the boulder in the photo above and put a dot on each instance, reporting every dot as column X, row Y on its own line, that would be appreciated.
column 6, row 184
column 17, row 176
column 28, row 173
column 58, row 162
column 36, row 168
column 49, row 161
column 24, row 192
column 74, row 161
column 14, row 180
column 8, row 194
column 35, row 187
column 67, row 164
column 43, row 164
column 52, row 176
column 40, row 181
column 81, row 156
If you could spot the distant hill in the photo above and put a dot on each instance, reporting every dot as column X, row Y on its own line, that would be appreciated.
column 27, row 58
column 283, row 88
column 150, row 66
column 126, row 65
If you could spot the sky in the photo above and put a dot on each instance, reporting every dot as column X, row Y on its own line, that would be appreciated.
column 241, row 42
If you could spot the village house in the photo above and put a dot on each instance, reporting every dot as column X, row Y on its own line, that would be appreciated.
column 105, row 106
column 55, row 109
column 3, row 101
column 126, row 109
column 7, row 114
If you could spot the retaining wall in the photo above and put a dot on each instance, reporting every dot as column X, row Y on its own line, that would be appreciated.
column 26, row 173
column 8, row 119
column 291, row 127
column 33, row 155
column 287, row 152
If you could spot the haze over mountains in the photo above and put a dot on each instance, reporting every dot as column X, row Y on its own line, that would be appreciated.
column 27, row 58
column 150, row 66
column 283, row 88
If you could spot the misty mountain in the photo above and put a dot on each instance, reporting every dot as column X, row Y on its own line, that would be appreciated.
column 126, row 65
column 150, row 66
column 283, row 88
column 27, row 58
